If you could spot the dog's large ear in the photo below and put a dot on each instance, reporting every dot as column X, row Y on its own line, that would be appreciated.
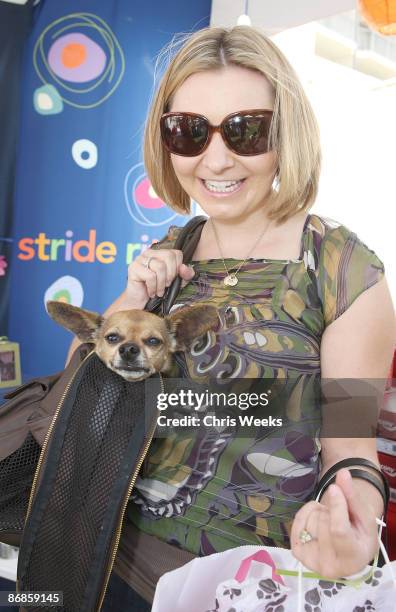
column 83, row 323
column 190, row 322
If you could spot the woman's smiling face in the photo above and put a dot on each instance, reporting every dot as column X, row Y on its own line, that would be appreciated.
column 215, row 94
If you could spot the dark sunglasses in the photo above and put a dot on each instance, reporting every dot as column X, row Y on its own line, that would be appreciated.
column 245, row 132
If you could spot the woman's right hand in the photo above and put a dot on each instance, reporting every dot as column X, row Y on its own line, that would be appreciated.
column 154, row 270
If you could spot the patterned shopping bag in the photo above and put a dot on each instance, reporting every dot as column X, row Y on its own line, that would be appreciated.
column 255, row 579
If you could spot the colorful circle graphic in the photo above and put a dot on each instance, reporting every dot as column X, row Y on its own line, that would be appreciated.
column 143, row 204
column 146, row 197
column 66, row 289
column 80, row 56
column 76, row 58
column 46, row 100
column 85, row 153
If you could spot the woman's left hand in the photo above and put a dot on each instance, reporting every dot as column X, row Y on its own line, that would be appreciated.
column 344, row 529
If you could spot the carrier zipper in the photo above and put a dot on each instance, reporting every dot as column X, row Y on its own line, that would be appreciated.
column 132, row 481
column 47, row 436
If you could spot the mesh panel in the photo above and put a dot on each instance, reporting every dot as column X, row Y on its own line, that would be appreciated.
column 16, row 477
column 100, row 430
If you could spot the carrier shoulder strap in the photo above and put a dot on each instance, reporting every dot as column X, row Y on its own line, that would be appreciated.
column 186, row 241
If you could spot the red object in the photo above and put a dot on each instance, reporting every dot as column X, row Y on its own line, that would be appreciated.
column 391, row 531
column 392, row 373
column 387, row 459
column 388, row 467
column 387, row 417
column 393, row 370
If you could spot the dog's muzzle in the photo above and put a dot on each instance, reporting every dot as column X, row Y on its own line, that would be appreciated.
column 129, row 362
column 129, row 352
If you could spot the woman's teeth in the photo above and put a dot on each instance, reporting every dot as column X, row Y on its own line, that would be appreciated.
column 222, row 186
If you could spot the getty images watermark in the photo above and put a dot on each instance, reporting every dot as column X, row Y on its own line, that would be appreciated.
column 339, row 408
column 211, row 400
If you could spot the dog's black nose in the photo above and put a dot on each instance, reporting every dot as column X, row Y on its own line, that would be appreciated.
column 129, row 351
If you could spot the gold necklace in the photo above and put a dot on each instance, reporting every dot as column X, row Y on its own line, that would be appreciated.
column 231, row 279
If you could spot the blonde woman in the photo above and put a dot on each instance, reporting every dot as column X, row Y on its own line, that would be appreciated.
column 298, row 296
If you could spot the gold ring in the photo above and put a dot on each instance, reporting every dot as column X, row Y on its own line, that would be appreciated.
column 148, row 262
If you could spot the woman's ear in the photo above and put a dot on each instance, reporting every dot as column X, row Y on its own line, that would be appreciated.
column 190, row 322
column 83, row 323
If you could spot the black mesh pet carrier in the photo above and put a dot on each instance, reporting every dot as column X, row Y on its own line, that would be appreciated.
column 100, row 435
column 69, row 456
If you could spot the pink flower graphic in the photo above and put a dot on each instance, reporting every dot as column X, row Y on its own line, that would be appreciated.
column 3, row 265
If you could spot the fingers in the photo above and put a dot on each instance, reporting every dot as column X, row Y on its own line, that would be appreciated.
column 340, row 524
column 344, row 481
column 165, row 264
column 162, row 272
column 328, row 564
column 361, row 514
column 318, row 554
column 309, row 553
column 358, row 509
column 156, row 270
column 141, row 275
column 338, row 548
column 186, row 272
column 301, row 520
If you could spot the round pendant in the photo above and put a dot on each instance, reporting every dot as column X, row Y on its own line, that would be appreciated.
column 231, row 280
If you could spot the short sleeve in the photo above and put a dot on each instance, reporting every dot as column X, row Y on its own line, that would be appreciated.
column 347, row 267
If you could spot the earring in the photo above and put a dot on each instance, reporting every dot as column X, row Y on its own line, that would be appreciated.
column 275, row 183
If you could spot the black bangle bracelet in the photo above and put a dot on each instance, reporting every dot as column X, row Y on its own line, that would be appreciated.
column 327, row 479
column 364, row 475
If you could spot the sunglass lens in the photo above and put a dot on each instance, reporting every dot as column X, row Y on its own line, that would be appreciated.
column 248, row 134
column 184, row 134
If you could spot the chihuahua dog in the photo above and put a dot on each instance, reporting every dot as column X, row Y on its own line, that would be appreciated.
column 134, row 343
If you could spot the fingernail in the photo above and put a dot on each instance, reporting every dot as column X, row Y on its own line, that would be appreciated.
column 332, row 491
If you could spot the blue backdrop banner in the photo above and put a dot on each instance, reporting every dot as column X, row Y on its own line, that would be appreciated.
column 84, row 207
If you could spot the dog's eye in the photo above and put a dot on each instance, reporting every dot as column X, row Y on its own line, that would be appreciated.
column 112, row 338
column 153, row 341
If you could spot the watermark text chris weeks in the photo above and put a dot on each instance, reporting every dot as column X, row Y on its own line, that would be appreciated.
column 206, row 401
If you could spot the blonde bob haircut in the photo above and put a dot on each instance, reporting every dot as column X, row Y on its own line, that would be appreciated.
column 294, row 134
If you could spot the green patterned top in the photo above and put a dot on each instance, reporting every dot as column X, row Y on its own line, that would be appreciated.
column 209, row 493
